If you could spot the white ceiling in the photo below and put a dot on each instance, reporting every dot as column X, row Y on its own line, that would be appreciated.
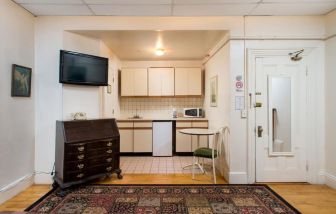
column 140, row 45
column 176, row 7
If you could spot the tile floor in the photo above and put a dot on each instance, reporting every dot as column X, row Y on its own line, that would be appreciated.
column 157, row 165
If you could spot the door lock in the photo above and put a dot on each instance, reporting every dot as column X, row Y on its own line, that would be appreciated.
column 257, row 105
column 260, row 131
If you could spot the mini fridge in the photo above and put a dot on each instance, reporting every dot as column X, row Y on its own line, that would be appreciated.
column 162, row 138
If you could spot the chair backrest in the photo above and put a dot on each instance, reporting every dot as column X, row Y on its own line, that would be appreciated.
column 221, row 140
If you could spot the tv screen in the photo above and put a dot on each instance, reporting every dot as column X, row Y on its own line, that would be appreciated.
column 83, row 69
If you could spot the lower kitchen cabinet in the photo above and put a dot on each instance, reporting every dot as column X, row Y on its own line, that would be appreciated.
column 183, row 142
column 137, row 137
column 143, row 140
column 126, row 140
column 188, row 143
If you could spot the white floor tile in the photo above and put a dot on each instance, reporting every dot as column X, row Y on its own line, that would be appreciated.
column 157, row 165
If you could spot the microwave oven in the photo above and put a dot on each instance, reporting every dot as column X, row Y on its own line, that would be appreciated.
column 193, row 112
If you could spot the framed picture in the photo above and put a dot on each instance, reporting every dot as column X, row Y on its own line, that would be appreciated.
column 21, row 81
column 213, row 91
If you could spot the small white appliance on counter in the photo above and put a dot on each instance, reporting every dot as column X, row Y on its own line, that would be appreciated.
column 162, row 138
column 193, row 112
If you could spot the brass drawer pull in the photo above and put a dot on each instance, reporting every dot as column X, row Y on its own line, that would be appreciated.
column 109, row 144
column 80, row 157
column 109, row 151
column 108, row 159
column 108, row 168
column 80, row 175
column 81, row 148
column 80, row 166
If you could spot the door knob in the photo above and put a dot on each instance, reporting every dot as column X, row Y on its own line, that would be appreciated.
column 260, row 130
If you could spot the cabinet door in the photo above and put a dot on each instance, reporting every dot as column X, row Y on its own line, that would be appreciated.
column 203, row 142
column 183, row 142
column 140, row 82
column 181, row 81
column 154, row 82
column 167, row 81
column 126, row 140
column 143, row 140
column 127, row 82
column 194, row 81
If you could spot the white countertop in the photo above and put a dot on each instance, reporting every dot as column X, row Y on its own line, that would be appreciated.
column 162, row 118
column 198, row 131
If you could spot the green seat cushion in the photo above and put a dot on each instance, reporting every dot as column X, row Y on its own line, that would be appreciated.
column 204, row 153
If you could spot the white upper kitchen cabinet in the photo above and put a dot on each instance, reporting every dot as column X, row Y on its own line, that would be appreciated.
column 188, row 82
column 161, row 81
column 134, row 82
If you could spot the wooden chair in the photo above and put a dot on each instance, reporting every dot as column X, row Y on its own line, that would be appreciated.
column 219, row 139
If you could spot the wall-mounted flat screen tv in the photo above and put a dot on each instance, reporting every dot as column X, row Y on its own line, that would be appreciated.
column 83, row 69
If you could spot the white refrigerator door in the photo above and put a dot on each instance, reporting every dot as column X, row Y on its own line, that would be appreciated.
column 162, row 138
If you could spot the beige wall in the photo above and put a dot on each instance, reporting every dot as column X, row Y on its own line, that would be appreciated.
column 16, row 114
column 330, row 97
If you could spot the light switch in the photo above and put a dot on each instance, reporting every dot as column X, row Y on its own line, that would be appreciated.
column 243, row 114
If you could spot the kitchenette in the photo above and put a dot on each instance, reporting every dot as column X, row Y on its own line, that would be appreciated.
column 156, row 103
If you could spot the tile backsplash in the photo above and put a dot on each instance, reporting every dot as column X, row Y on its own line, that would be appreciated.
column 161, row 107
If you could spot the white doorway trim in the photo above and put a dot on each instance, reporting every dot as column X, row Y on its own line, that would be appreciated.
column 313, row 144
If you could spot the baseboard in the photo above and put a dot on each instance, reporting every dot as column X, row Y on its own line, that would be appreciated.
column 238, row 178
column 330, row 180
column 16, row 187
column 43, row 179
column 136, row 154
column 321, row 177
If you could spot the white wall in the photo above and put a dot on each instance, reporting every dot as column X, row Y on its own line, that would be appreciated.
column 49, row 40
column 219, row 116
column 110, row 101
column 330, row 95
column 77, row 98
column 16, row 114
column 219, row 66
column 238, row 135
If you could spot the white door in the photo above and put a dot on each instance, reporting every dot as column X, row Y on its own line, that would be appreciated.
column 280, row 109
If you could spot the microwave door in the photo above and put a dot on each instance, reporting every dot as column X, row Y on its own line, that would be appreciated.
column 191, row 113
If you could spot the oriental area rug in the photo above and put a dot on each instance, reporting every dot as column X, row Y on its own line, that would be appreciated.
column 192, row 199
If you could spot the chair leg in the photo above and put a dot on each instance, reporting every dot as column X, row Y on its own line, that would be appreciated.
column 193, row 168
column 214, row 170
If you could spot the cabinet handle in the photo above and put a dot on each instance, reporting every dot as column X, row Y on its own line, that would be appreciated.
column 80, row 157
column 80, row 166
column 109, row 151
column 81, row 148
column 109, row 144
column 108, row 159
column 108, row 168
column 80, row 175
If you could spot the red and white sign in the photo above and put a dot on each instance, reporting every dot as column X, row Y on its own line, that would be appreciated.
column 239, row 85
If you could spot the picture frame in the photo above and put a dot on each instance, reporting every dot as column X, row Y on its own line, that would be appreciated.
column 214, row 91
column 21, row 81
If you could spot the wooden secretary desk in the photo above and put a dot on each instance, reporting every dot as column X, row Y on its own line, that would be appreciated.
column 86, row 150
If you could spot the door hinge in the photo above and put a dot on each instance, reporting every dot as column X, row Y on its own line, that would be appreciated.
column 306, row 71
column 307, row 167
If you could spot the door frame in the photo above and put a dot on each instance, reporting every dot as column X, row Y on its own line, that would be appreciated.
column 312, row 147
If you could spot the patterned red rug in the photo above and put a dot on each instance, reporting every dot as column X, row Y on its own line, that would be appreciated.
column 147, row 199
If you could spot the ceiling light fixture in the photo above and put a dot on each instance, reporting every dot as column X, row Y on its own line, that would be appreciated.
column 159, row 52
